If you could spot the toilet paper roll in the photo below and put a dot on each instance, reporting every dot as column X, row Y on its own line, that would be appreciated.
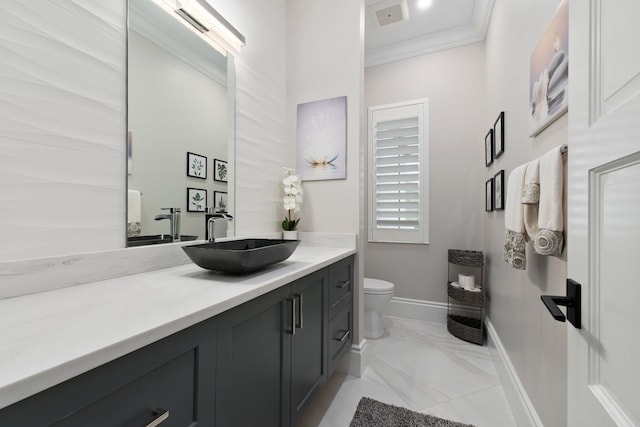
column 467, row 281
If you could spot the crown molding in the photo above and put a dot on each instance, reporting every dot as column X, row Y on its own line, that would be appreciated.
column 474, row 32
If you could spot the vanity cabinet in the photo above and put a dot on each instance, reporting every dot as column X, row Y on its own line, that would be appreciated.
column 272, row 355
column 170, row 382
column 276, row 351
column 257, row 364
column 341, row 285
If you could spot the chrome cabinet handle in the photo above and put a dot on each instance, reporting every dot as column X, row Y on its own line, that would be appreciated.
column 160, row 416
column 343, row 284
column 344, row 336
column 299, row 324
column 293, row 315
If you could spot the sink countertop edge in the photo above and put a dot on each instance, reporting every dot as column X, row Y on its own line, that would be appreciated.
column 76, row 329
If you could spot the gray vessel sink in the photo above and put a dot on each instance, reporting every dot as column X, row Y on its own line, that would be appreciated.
column 240, row 256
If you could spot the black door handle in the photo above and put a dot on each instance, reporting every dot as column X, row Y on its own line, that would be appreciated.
column 572, row 301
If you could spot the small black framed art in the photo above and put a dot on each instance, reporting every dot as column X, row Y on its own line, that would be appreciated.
column 498, row 135
column 498, row 191
column 488, row 148
column 488, row 195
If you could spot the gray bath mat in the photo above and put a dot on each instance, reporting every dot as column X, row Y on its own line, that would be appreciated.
column 371, row 413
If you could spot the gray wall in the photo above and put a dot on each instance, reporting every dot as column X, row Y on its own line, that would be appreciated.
column 454, row 82
column 323, row 64
column 535, row 343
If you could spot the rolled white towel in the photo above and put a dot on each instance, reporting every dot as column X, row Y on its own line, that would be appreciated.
column 530, row 198
column 134, row 206
column 549, row 239
column 514, row 235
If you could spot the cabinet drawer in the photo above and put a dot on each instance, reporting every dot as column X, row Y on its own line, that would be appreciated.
column 340, row 336
column 340, row 285
column 170, row 387
column 168, row 379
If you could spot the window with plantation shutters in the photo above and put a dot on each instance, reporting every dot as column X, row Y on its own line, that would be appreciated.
column 398, row 184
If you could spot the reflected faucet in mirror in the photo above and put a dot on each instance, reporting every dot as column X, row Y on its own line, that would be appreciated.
column 174, row 217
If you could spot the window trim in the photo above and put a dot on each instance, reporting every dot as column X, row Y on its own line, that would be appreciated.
column 394, row 112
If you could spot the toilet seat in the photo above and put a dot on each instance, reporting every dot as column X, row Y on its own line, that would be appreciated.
column 377, row 287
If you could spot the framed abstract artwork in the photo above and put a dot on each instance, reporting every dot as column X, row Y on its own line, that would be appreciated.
column 322, row 139
column 549, row 72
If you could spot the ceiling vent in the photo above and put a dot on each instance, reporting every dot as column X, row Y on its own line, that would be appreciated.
column 390, row 11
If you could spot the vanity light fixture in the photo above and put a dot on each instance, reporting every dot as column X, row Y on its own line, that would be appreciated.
column 207, row 21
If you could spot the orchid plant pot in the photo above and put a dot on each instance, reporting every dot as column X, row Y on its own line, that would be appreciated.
column 290, row 235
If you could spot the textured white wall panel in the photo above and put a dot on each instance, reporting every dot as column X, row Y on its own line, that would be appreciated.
column 62, row 123
column 62, row 127
column 262, row 148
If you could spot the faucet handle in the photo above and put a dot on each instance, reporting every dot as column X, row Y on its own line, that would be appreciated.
column 171, row 210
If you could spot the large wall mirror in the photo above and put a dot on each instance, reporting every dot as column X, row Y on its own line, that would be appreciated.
column 180, row 126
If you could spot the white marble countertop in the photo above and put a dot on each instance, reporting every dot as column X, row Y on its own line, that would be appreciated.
column 49, row 337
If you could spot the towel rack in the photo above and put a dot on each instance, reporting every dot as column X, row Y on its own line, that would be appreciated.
column 564, row 149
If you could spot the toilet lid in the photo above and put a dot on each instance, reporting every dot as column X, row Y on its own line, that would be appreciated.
column 376, row 286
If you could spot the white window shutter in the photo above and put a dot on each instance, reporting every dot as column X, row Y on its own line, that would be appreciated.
column 398, row 185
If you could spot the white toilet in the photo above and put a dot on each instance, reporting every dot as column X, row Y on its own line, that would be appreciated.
column 377, row 293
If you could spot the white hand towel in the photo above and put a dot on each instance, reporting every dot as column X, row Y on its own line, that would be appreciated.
column 134, row 206
column 531, row 189
column 549, row 239
column 134, row 213
column 514, row 236
column 530, row 198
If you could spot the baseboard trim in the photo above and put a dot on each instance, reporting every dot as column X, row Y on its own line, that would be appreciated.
column 354, row 362
column 427, row 311
column 522, row 407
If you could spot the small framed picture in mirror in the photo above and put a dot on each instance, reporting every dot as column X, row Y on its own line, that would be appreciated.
column 220, row 170
column 196, row 199
column 220, row 200
column 196, row 166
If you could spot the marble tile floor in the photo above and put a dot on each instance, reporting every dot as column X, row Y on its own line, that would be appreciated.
column 420, row 366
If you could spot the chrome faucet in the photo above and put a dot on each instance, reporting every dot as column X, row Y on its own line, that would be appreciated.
column 211, row 223
column 174, row 217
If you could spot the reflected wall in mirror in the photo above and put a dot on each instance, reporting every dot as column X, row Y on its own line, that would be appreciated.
column 178, row 103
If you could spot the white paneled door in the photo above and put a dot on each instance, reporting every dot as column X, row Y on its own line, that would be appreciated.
column 604, row 212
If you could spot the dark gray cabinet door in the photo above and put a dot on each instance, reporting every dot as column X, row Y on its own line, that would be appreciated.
column 308, row 348
column 175, row 374
column 253, row 359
